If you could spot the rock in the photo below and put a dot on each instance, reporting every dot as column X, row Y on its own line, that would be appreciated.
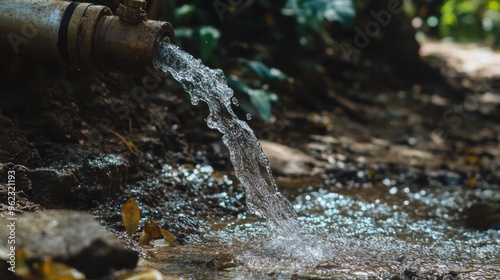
column 15, row 146
column 223, row 262
column 185, row 229
column 288, row 161
column 76, row 186
column 22, row 203
column 71, row 238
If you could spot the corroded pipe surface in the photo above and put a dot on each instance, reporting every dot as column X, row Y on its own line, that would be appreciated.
column 31, row 27
column 81, row 35
column 125, row 46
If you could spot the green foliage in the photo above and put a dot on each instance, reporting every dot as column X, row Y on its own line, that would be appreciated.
column 209, row 37
column 249, row 57
column 183, row 11
column 313, row 13
column 263, row 71
column 251, row 76
column 260, row 98
column 206, row 37
column 471, row 19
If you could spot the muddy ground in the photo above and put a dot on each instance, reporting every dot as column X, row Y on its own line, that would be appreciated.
column 90, row 141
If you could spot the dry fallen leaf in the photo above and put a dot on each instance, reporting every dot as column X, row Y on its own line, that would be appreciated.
column 131, row 215
column 153, row 231
column 153, row 228
column 54, row 270
column 46, row 270
column 23, row 270
column 145, row 237
column 169, row 237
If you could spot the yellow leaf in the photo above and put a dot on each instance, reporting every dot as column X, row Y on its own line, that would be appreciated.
column 145, row 237
column 59, row 271
column 151, row 231
column 153, row 228
column 22, row 268
column 131, row 216
column 169, row 237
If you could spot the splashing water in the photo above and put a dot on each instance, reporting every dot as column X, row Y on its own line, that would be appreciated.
column 344, row 237
column 250, row 163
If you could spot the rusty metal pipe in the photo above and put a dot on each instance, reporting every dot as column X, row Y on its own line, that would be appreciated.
column 82, row 35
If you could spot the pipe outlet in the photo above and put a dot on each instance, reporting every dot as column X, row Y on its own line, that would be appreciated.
column 82, row 35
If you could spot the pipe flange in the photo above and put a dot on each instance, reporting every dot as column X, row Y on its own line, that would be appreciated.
column 94, row 14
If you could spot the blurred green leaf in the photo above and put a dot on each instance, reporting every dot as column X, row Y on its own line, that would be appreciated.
column 183, row 11
column 265, row 72
column 340, row 10
column 261, row 99
column 493, row 5
column 237, row 83
column 209, row 37
column 313, row 12
column 184, row 33
column 468, row 20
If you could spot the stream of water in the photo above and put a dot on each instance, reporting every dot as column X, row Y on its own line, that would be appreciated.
column 250, row 163
column 355, row 235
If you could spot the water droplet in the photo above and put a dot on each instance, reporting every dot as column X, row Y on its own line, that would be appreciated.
column 195, row 100
column 235, row 101
column 212, row 121
column 249, row 116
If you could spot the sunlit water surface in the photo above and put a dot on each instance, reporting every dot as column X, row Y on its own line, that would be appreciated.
column 364, row 233
column 355, row 235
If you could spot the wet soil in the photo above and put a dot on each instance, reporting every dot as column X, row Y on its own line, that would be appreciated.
column 397, row 183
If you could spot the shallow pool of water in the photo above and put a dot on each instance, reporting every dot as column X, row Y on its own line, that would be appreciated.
column 364, row 233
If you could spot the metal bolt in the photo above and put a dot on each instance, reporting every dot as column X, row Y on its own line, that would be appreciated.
column 138, row 4
column 132, row 11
